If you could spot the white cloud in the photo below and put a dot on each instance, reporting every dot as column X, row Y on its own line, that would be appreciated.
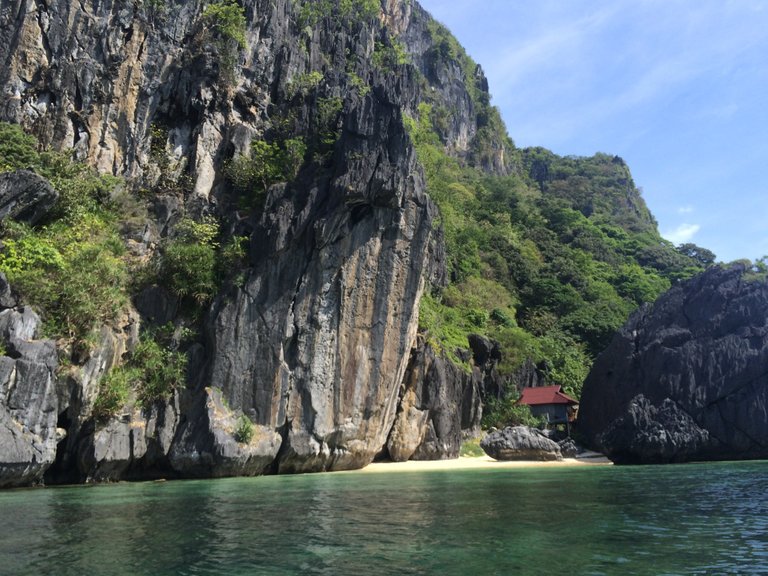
column 683, row 233
column 685, row 209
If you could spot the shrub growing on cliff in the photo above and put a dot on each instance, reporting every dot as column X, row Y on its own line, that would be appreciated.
column 92, row 287
column 342, row 12
column 268, row 163
column 190, row 269
column 226, row 21
column 389, row 55
column 153, row 371
column 17, row 149
column 188, row 261
column 161, row 371
column 303, row 84
column 114, row 391
column 244, row 429
column 73, row 269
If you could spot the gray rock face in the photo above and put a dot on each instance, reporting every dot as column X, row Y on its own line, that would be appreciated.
column 25, row 196
column 317, row 341
column 135, row 444
column 28, row 400
column 440, row 401
column 313, row 344
column 520, row 443
column 685, row 379
column 428, row 424
column 211, row 449
column 6, row 297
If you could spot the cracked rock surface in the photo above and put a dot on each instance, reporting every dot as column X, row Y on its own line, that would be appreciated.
column 686, row 378
column 310, row 338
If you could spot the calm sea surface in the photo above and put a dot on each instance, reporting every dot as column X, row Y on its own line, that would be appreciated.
column 685, row 519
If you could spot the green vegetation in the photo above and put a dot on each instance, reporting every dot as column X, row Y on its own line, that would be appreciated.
column 114, row 392
column 343, row 12
column 193, row 263
column 549, row 260
column 153, row 371
column 756, row 271
column 155, row 9
column 162, row 370
column 358, row 84
column 470, row 448
column 225, row 20
column 304, row 84
column 187, row 265
column 244, row 429
column 505, row 412
column 75, row 276
column 72, row 268
column 389, row 55
column 269, row 162
column 326, row 128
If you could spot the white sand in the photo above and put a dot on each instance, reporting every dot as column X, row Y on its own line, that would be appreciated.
column 464, row 463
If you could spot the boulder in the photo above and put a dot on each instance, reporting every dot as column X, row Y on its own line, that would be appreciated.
column 568, row 448
column 685, row 378
column 520, row 443
column 25, row 196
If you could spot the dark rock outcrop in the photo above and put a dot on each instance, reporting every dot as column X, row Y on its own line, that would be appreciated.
column 208, row 446
column 520, row 443
column 686, row 378
column 28, row 400
column 25, row 196
column 568, row 448
column 323, row 327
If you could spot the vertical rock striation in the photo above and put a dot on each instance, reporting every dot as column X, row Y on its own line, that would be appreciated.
column 312, row 345
column 28, row 401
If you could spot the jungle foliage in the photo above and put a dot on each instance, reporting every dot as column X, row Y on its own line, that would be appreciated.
column 549, row 256
column 72, row 268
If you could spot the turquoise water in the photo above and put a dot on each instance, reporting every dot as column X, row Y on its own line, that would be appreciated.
column 685, row 519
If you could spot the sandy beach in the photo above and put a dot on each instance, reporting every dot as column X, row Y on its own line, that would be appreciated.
column 464, row 463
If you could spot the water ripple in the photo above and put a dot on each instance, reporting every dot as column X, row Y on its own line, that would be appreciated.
column 693, row 519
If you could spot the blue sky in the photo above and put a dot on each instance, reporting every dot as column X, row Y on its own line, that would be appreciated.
column 679, row 89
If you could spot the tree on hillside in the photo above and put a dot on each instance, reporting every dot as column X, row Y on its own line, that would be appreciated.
column 701, row 255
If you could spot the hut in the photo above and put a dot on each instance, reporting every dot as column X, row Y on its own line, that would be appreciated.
column 551, row 403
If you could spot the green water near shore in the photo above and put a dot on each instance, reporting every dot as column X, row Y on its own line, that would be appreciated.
column 685, row 519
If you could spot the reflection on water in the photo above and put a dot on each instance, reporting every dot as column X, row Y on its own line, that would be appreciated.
column 693, row 519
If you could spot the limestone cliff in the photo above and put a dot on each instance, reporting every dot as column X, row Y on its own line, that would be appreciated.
column 685, row 378
column 311, row 339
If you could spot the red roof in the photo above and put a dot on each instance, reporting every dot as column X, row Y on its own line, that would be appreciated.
column 545, row 395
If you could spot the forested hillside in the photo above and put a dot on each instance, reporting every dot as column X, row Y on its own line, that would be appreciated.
column 546, row 254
